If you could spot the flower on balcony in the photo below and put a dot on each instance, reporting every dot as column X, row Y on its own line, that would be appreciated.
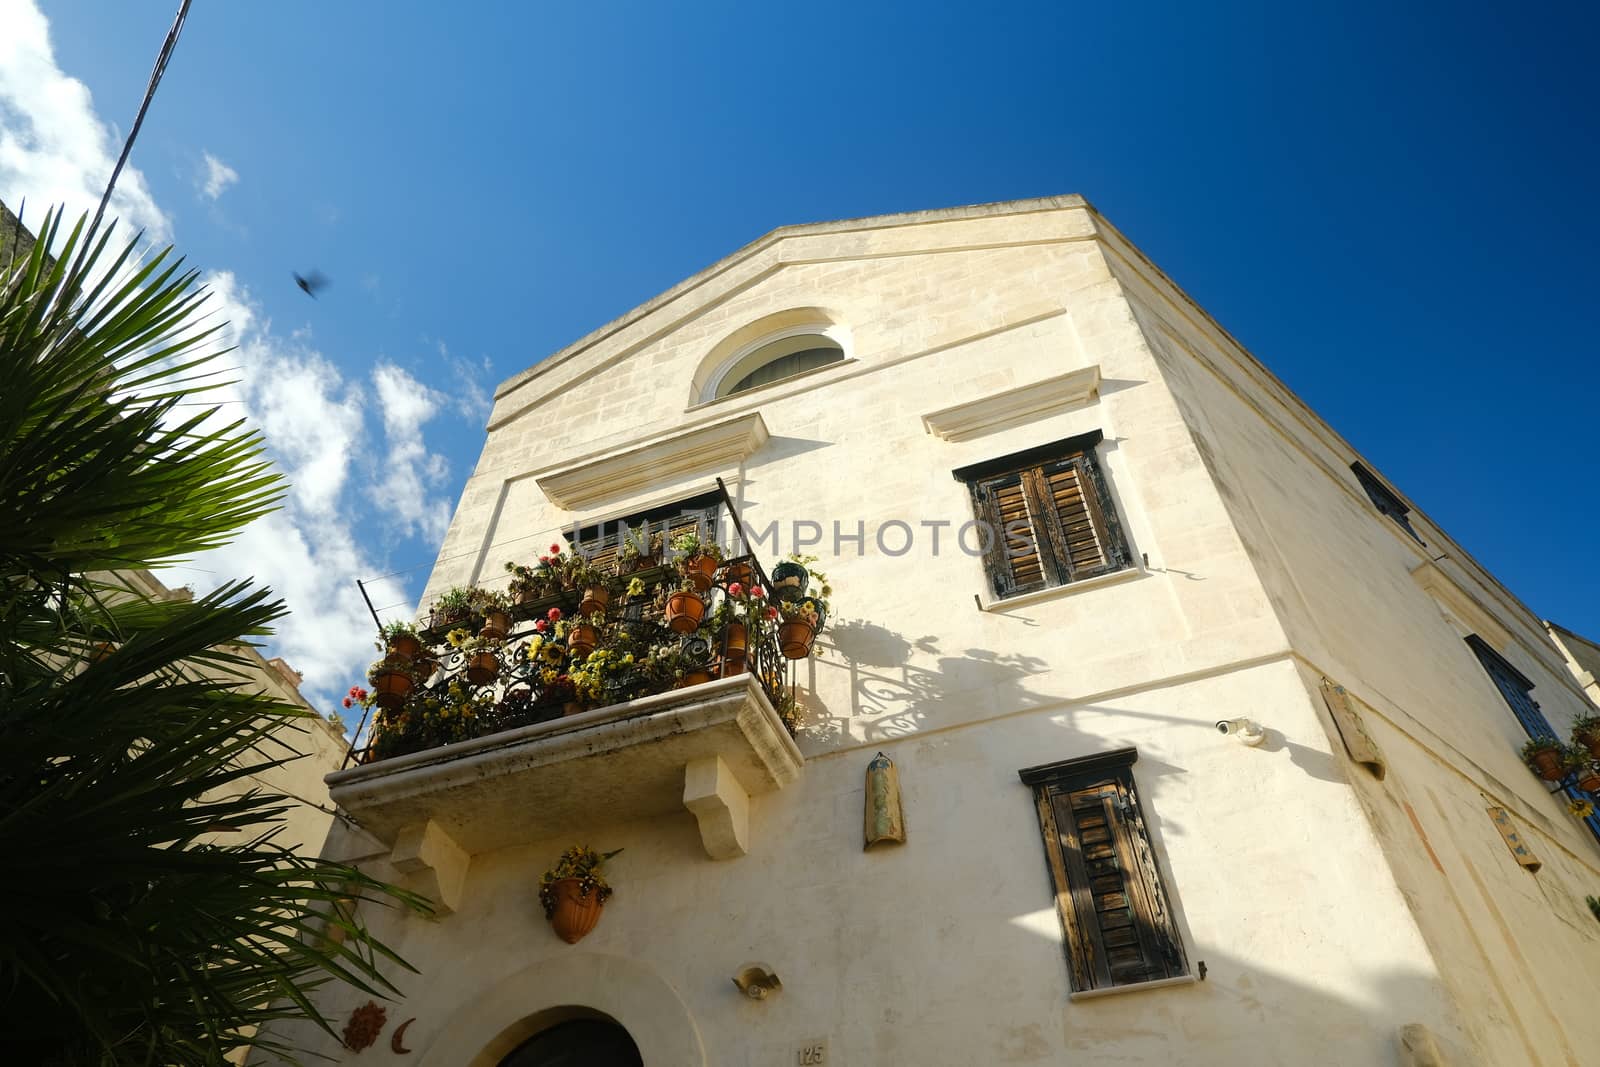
column 1580, row 807
column 554, row 615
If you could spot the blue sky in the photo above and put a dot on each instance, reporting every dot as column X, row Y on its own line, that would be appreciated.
column 1388, row 205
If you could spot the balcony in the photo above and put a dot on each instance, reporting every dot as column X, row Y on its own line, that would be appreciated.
column 626, row 679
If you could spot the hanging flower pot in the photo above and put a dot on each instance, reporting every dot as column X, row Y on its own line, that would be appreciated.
column 734, row 639
column 789, row 580
column 738, row 572
column 482, row 667
column 684, row 611
column 392, row 687
column 1588, row 735
column 424, row 666
column 795, row 637
column 595, row 599
column 574, row 892
column 1545, row 757
column 732, row 665
column 407, row 645
column 701, row 570
column 581, row 639
column 496, row 624
column 1589, row 778
column 696, row 676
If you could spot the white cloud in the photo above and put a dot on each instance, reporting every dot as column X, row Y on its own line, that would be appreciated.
column 218, row 177
column 53, row 147
column 315, row 418
column 408, row 469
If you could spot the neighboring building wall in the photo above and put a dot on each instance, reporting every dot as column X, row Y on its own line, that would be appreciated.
column 947, row 950
column 313, row 746
column 1515, row 948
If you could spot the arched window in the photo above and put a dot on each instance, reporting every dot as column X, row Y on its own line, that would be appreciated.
column 577, row 1043
column 777, row 358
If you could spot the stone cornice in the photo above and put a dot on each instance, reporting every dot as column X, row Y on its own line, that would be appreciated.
column 1017, row 404
column 630, row 467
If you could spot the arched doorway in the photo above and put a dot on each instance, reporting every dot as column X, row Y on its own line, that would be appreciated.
column 586, row 1042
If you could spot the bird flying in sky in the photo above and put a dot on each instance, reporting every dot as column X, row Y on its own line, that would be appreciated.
column 311, row 282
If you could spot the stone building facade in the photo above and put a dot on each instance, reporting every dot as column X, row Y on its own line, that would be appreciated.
column 1360, row 870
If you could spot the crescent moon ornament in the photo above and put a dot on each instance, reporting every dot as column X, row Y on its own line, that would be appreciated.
column 395, row 1044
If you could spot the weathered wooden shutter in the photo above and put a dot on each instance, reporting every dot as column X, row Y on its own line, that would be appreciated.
column 601, row 543
column 1013, row 560
column 1119, row 927
column 1069, row 499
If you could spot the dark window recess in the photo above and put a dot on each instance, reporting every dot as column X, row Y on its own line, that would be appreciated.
column 1049, row 517
column 601, row 541
column 1386, row 500
column 1119, row 928
column 1518, row 694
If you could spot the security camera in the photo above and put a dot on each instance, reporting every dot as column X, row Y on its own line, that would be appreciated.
column 1248, row 731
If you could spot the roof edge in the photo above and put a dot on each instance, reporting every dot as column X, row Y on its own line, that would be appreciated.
column 803, row 229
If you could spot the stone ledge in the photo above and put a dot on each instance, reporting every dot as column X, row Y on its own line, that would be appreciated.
column 640, row 759
column 623, row 469
column 1020, row 403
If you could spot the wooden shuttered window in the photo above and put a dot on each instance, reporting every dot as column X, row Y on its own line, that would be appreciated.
column 1049, row 516
column 1118, row 926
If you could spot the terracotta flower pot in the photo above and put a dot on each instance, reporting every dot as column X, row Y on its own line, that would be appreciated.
column 496, row 624
column 1590, row 741
column 102, row 652
column 795, row 637
column 405, row 645
column 1589, row 780
column 701, row 570
column 571, row 707
column 582, row 639
column 1547, row 764
column 526, row 596
column 392, row 688
column 640, row 563
column 738, row 572
column 595, row 599
column 734, row 639
column 576, row 912
column 695, row 677
column 425, row 665
column 684, row 612
column 482, row 667
column 732, row 665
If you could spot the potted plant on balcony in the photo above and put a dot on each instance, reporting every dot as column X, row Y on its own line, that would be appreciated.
column 495, row 610
column 1586, row 733
column 790, row 579
column 400, row 639
column 392, row 679
column 1588, row 773
column 452, row 606
column 582, row 574
column 482, row 654
column 574, row 892
column 698, row 559
column 1546, row 757
column 738, row 620
column 639, row 549
column 581, row 632
column 684, row 608
column 530, row 583
column 802, row 618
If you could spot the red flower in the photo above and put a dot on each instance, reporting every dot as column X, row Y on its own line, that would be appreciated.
column 758, row 592
column 361, row 694
column 545, row 560
column 555, row 550
column 354, row 689
column 735, row 589
column 555, row 615
column 540, row 625
column 772, row 613
column 347, row 702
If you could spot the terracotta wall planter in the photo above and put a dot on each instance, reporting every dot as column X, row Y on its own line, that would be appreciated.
column 595, row 599
column 576, row 912
column 392, row 688
column 405, row 645
column 701, row 570
column 738, row 572
column 1589, row 780
column 795, row 637
column 1546, row 763
column 482, row 668
column 684, row 612
column 734, row 638
column 582, row 639
column 1590, row 741
column 496, row 624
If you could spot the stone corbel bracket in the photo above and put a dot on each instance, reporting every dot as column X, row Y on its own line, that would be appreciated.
column 434, row 865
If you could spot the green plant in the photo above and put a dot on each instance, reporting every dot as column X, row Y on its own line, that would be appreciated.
column 580, row 572
column 452, row 605
column 1536, row 745
column 533, row 582
column 134, row 934
column 690, row 545
column 638, row 543
column 484, row 601
column 464, row 640
column 580, row 862
column 391, row 664
column 390, row 631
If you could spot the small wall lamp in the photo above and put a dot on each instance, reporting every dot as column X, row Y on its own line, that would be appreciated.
column 1248, row 731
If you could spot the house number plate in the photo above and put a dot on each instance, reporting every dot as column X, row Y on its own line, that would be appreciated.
column 810, row 1053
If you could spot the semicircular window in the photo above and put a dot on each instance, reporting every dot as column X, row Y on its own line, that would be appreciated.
column 780, row 359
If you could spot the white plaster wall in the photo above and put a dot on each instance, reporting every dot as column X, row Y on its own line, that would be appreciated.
column 1321, row 933
column 1513, row 946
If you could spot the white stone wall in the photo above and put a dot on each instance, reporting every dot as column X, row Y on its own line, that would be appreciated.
column 1293, row 878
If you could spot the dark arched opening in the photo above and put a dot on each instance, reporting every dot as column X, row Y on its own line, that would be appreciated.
column 577, row 1043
